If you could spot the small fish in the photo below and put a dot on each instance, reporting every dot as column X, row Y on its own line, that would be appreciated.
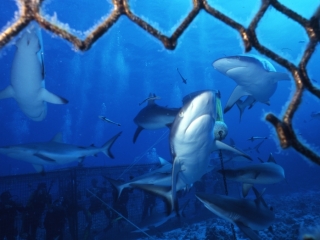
column 109, row 121
column 184, row 80
column 256, row 138
column 151, row 97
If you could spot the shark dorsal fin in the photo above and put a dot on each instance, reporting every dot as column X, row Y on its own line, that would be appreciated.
column 271, row 158
column 57, row 138
column 151, row 101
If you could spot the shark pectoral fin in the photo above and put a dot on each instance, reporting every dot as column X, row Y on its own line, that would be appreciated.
column 38, row 168
column 278, row 76
column 136, row 134
column 222, row 146
column 107, row 146
column 237, row 93
column 246, row 188
column 176, row 168
column 43, row 157
column 52, row 98
column 7, row 92
column 247, row 231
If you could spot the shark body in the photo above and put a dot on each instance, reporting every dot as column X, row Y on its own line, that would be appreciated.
column 153, row 117
column 27, row 78
column 55, row 152
column 159, row 176
column 192, row 140
column 255, row 77
column 248, row 215
column 158, row 219
column 263, row 173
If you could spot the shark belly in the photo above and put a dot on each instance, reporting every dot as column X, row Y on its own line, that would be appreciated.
column 26, row 81
column 28, row 157
column 193, row 149
column 263, row 89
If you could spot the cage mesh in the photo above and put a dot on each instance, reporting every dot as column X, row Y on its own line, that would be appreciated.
column 30, row 10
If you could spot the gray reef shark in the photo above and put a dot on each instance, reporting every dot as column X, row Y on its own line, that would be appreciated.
column 263, row 173
column 55, row 152
column 256, row 138
column 27, row 78
column 255, row 77
column 248, row 215
column 153, row 117
column 256, row 147
column 192, row 141
column 157, row 219
column 158, row 176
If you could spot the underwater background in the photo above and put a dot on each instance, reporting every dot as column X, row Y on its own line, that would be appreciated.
column 126, row 64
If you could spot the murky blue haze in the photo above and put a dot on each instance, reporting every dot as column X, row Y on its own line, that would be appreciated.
column 126, row 64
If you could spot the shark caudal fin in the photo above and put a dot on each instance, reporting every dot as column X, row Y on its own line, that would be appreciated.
column 136, row 134
column 162, row 191
column 117, row 184
column 107, row 146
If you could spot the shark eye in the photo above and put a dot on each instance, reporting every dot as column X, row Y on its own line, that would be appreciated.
column 181, row 114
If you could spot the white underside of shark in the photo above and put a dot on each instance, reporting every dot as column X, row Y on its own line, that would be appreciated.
column 27, row 78
column 255, row 77
column 192, row 141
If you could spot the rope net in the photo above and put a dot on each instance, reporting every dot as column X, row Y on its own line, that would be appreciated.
column 30, row 11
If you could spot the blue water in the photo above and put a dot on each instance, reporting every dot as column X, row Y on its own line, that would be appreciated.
column 126, row 64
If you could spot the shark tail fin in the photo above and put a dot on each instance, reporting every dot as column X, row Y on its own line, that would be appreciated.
column 107, row 146
column 162, row 191
column 136, row 133
column 117, row 185
column 7, row 92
